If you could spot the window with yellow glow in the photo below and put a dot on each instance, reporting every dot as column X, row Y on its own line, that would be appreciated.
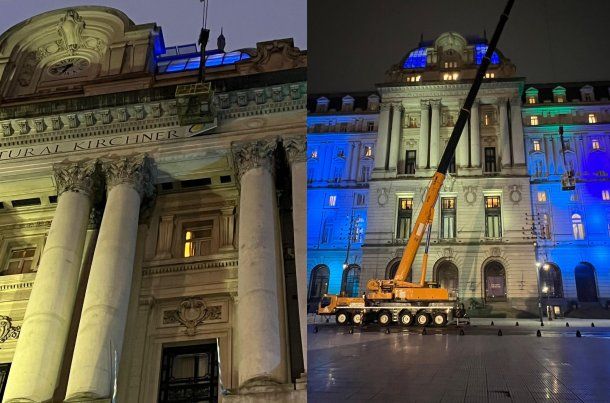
column 541, row 196
column 368, row 151
column 198, row 238
column 536, row 145
column 595, row 144
column 592, row 118
column 534, row 120
column 531, row 100
column 605, row 194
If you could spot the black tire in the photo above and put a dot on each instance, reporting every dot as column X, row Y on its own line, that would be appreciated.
column 405, row 318
column 384, row 318
column 342, row 318
column 422, row 319
column 358, row 318
column 439, row 319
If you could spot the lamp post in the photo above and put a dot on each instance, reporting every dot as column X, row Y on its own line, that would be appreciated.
column 538, row 265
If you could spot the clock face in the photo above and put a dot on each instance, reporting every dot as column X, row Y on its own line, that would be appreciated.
column 70, row 67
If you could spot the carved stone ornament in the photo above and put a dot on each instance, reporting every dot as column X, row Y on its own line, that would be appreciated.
column 191, row 313
column 7, row 330
column 296, row 149
column 75, row 176
column 7, row 129
column 495, row 252
column 515, row 194
column 275, row 54
column 470, row 194
column 256, row 154
column 70, row 29
column 382, row 196
column 137, row 171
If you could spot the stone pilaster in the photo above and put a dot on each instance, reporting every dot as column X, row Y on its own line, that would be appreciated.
column 261, row 357
column 475, row 136
column 164, row 237
column 505, row 154
column 99, row 340
column 227, row 227
column 516, row 124
column 435, row 133
column 296, row 150
column 461, row 154
column 41, row 345
column 395, row 138
column 381, row 155
column 424, row 131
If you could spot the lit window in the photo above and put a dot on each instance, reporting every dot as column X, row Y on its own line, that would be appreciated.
column 314, row 154
column 531, row 100
column 490, row 75
column 592, row 118
column 493, row 218
column 577, row 227
column 332, row 200
column 595, row 144
column 448, row 213
column 368, row 151
column 403, row 221
column 534, row 120
column 541, row 196
column 19, row 261
column 198, row 239
column 605, row 194
column 414, row 79
column 486, row 120
column 536, row 145
column 450, row 76
column 561, row 99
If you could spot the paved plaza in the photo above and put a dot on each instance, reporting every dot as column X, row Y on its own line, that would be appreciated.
column 444, row 366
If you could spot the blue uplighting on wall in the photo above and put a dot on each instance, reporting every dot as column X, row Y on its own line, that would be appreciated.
column 416, row 59
column 479, row 53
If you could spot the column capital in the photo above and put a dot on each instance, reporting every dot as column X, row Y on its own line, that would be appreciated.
column 424, row 103
column 385, row 107
column 501, row 101
column 137, row 171
column 436, row 103
column 476, row 102
column 515, row 101
column 80, row 177
column 254, row 154
column 398, row 106
column 296, row 149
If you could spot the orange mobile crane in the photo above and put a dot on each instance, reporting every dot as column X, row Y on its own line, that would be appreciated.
column 397, row 300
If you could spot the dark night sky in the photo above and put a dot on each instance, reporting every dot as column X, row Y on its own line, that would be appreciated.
column 350, row 48
column 245, row 22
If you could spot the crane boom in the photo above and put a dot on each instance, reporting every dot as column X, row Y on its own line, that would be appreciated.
column 426, row 214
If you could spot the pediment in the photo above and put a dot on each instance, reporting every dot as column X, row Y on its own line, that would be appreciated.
column 102, row 42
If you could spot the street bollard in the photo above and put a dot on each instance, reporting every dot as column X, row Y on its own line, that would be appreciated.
column 578, row 333
column 424, row 332
column 351, row 330
column 567, row 324
column 461, row 332
column 592, row 324
column 315, row 329
column 499, row 332
column 538, row 333
column 492, row 323
column 387, row 330
column 516, row 323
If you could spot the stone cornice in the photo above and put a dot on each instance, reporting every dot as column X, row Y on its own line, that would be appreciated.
column 441, row 90
column 77, row 177
column 153, row 268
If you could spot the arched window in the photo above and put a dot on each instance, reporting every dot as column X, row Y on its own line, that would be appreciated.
column 392, row 267
column 495, row 281
column 446, row 275
column 578, row 228
column 550, row 281
column 351, row 281
column 318, row 286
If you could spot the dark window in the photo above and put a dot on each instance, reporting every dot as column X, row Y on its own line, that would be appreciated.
column 191, row 183
column 52, row 199
column 351, row 281
column 493, row 217
column 189, row 374
column 410, row 162
column 26, row 202
column 19, row 261
column 448, row 212
column 4, row 370
column 403, row 221
column 490, row 159
column 370, row 126
column 225, row 179
column 167, row 186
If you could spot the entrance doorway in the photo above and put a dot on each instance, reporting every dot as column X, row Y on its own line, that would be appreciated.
column 447, row 277
column 586, row 286
column 495, row 282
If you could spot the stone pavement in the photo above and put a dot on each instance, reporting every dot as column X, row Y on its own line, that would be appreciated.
column 442, row 366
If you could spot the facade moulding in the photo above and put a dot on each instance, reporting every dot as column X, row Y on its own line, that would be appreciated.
column 177, row 266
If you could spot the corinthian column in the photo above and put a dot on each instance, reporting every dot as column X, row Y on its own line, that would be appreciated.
column 424, row 131
column 99, row 341
column 381, row 155
column 262, row 354
column 395, row 140
column 296, row 149
column 461, row 154
column 475, row 137
column 40, row 348
column 504, row 134
column 435, row 132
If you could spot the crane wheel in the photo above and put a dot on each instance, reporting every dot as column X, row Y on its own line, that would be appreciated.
column 406, row 318
column 439, row 319
column 342, row 318
column 357, row 318
column 422, row 319
column 384, row 318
